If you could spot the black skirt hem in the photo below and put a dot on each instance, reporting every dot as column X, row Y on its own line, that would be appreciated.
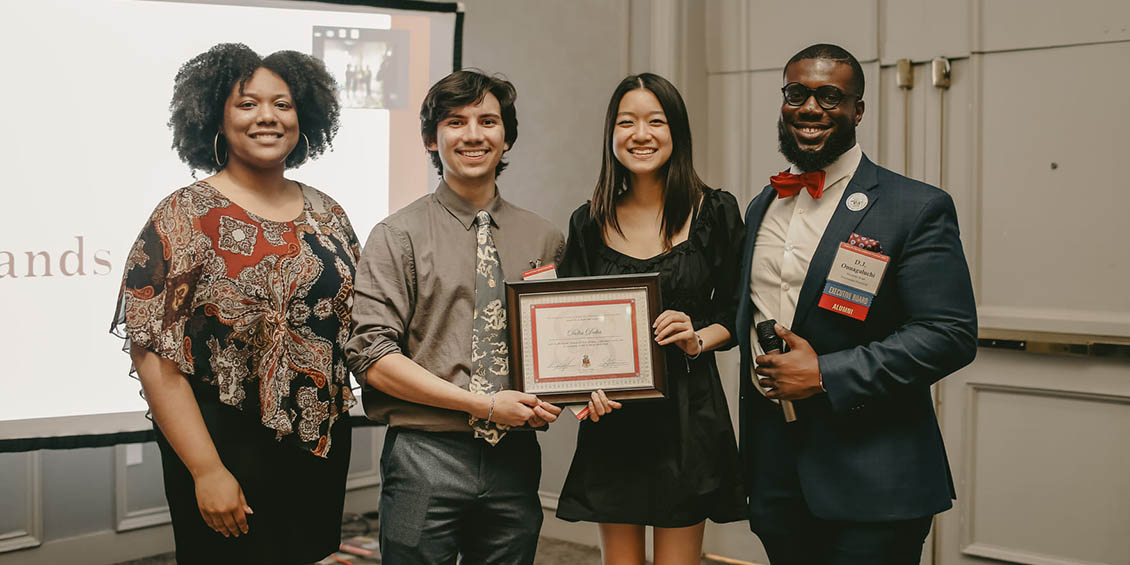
column 578, row 515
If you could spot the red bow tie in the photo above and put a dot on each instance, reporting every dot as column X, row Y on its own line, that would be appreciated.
column 788, row 184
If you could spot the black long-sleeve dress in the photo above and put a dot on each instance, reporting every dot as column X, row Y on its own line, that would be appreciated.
column 670, row 462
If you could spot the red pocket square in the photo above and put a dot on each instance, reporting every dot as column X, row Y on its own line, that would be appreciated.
column 865, row 243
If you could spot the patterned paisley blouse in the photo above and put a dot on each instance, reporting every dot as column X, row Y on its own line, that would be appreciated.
column 256, row 310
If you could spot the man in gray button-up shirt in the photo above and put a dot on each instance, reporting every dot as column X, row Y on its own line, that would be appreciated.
column 444, row 492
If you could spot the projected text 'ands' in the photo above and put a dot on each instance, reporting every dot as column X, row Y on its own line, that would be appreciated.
column 75, row 261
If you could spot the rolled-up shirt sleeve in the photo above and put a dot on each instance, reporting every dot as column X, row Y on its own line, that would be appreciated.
column 384, row 298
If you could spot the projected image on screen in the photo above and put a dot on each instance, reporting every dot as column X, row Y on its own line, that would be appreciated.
column 371, row 65
column 88, row 156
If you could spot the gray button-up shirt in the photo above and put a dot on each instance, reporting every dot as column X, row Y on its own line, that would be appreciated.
column 415, row 293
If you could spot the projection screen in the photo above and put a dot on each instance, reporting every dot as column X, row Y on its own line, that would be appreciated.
column 87, row 155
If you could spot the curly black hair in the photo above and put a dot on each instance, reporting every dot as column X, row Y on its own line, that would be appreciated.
column 203, row 84
column 458, row 89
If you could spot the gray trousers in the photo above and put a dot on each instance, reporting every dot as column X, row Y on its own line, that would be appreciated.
column 447, row 496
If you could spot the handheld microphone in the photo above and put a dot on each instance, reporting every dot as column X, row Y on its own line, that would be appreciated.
column 771, row 342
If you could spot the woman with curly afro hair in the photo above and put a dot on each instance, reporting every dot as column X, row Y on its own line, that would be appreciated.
column 235, row 306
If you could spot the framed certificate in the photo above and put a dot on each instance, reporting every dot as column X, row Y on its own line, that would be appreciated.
column 569, row 337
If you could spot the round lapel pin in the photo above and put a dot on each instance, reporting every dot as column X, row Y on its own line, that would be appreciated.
column 856, row 202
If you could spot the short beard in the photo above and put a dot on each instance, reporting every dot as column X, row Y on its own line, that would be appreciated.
column 807, row 161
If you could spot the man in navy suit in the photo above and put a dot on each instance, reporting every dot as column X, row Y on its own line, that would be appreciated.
column 859, row 475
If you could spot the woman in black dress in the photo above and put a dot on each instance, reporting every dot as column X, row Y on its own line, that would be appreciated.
column 671, row 463
column 235, row 306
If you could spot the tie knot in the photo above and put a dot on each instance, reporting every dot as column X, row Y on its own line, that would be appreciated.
column 482, row 218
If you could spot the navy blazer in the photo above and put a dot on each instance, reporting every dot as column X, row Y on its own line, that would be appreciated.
column 870, row 449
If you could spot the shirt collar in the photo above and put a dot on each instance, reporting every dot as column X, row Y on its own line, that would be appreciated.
column 843, row 166
column 464, row 211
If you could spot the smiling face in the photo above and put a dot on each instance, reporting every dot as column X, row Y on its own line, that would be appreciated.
column 260, row 122
column 641, row 138
column 811, row 137
column 470, row 141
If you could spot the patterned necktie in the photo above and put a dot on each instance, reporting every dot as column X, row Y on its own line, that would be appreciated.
column 490, row 354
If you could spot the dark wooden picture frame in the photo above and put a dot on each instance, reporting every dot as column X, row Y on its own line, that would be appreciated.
column 649, row 282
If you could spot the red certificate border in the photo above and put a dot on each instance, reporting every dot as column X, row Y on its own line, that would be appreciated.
column 635, row 340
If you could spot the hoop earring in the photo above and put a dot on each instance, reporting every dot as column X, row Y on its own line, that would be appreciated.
column 306, row 154
column 216, row 151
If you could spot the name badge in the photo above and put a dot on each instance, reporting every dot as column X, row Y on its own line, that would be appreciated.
column 541, row 273
column 853, row 281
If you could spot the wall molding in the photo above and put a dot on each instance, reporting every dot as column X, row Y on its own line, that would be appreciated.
column 967, row 511
column 32, row 533
column 126, row 519
column 1059, row 320
column 372, row 476
column 1017, row 556
column 110, row 546
column 107, row 546
column 666, row 40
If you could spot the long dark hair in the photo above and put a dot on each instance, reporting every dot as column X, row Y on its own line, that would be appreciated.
column 682, row 189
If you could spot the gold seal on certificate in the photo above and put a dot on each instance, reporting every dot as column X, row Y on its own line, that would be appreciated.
column 572, row 336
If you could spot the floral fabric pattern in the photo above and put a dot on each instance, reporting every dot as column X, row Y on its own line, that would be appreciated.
column 256, row 308
column 490, row 356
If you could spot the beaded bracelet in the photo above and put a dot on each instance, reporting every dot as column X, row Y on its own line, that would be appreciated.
column 490, row 412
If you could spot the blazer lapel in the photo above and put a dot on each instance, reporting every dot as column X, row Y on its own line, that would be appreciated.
column 839, row 228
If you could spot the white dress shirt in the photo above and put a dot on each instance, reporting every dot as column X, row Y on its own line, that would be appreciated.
column 787, row 240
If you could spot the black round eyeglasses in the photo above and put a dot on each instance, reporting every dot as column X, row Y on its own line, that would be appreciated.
column 827, row 96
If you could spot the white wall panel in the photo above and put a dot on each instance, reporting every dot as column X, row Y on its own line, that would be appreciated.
column 1053, row 192
column 78, row 491
column 21, row 495
column 639, row 37
column 1038, row 448
column 726, row 112
column 868, row 131
column 1026, row 457
column 763, row 159
column 692, row 76
column 557, row 447
column 957, row 143
column 726, row 35
column 1025, row 24
column 13, row 492
column 564, row 58
column 777, row 30
column 139, row 496
column 365, row 458
column 923, row 29
column 894, row 135
column 665, row 31
column 96, row 548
